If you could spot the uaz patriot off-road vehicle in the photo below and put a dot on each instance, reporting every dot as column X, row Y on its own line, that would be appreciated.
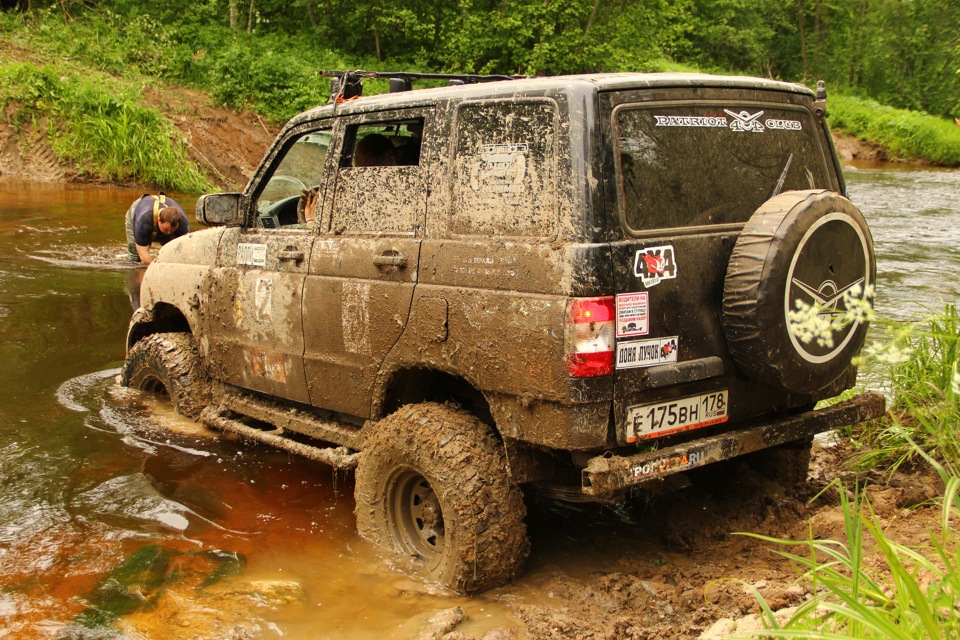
column 579, row 285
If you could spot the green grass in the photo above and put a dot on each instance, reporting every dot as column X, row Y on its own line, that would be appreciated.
column 98, row 124
column 906, row 135
column 919, row 361
column 910, row 594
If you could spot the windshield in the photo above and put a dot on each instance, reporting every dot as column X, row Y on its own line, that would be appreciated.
column 695, row 164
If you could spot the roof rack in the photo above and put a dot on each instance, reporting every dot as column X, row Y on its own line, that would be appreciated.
column 349, row 84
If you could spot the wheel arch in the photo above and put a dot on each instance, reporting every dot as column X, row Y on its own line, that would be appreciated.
column 414, row 385
column 161, row 318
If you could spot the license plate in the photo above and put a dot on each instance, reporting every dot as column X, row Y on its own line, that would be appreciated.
column 663, row 418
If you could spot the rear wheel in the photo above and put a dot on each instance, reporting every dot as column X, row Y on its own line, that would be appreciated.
column 432, row 485
column 169, row 363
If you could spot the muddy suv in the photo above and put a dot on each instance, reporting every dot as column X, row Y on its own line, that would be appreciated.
column 576, row 285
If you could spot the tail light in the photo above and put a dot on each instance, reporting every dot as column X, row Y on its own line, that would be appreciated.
column 589, row 337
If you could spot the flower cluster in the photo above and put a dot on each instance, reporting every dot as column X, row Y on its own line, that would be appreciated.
column 814, row 322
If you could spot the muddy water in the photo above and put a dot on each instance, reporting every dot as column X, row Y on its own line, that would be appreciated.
column 116, row 514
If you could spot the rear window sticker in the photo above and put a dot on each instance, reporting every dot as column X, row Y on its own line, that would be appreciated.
column 633, row 314
column 646, row 353
column 691, row 121
column 787, row 125
column 655, row 264
column 745, row 121
column 742, row 121
column 253, row 255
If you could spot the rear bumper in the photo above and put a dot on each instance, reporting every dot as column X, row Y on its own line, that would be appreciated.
column 604, row 476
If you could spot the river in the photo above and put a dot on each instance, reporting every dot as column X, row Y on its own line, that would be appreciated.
column 113, row 506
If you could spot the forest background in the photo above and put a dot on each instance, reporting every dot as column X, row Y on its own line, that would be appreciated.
column 892, row 67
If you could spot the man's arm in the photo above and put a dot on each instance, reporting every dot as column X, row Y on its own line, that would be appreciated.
column 144, row 253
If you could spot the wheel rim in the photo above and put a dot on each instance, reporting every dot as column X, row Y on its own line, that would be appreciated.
column 416, row 515
column 152, row 384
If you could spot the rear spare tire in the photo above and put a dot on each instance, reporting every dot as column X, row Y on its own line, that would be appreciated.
column 432, row 484
column 169, row 362
column 806, row 249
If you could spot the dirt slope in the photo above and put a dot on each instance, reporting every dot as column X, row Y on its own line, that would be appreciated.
column 227, row 146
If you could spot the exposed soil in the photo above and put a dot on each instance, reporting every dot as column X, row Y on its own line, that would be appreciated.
column 227, row 146
column 697, row 587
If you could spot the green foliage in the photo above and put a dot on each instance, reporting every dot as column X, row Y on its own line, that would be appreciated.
column 266, row 75
column 906, row 134
column 913, row 594
column 920, row 359
column 99, row 126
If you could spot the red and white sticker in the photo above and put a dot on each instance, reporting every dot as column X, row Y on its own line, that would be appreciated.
column 646, row 353
column 653, row 265
column 633, row 314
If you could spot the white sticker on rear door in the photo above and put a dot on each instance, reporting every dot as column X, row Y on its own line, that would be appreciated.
column 646, row 353
column 633, row 314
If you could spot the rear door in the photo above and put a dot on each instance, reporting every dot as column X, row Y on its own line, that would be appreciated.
column 363, row 270
column 688, row 174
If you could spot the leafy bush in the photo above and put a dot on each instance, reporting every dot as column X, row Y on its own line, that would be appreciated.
column 908, row 135
column 270, row 77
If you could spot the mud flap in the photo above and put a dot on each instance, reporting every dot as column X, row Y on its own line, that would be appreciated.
column 608, row 475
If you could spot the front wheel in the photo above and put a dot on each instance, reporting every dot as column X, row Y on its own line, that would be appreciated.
column 168, row 363
column 432, row 484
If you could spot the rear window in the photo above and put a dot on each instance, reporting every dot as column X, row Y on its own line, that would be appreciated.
column 690, row 165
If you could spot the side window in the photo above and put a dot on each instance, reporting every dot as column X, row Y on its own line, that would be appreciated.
column 282, row 200
column 379, row 186
column 505, row 169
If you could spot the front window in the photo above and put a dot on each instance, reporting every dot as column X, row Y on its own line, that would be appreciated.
column 696, row 164
column 281, row 201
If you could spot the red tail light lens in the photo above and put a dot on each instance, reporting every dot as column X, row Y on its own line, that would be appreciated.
column 590, row 337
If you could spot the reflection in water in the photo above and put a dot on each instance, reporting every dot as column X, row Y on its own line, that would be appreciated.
column 110, row 500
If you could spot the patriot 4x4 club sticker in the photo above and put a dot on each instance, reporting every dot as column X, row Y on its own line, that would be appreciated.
column 655, row 264
column 740, row 121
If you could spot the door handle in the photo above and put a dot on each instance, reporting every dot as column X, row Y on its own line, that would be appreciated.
column 390, row 259
column 290, row 255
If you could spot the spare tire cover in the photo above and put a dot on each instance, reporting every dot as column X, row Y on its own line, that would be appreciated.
column 800, row 248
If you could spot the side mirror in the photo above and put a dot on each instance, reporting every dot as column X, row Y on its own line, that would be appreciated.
column 218, row 209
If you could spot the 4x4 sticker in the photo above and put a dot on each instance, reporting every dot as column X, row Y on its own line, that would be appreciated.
column 745, row 121
column 646, row 353
column 633, row 314
column 655, row 264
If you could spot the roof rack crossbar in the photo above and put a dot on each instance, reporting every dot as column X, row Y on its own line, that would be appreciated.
column 346, row 85
column 468, row 78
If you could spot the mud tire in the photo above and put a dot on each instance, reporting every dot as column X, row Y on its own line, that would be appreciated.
column 169, row 362
column 432, row 484
column 799, row 245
